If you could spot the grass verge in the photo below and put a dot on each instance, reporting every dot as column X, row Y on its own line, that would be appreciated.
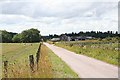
column 103, row 52
column 59, row 68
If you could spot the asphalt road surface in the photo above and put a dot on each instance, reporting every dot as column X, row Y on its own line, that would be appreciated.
column 84, row 66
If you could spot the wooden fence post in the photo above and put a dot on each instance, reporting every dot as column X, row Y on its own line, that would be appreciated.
column 38, row 55
column 31, row 60
column 5, row 68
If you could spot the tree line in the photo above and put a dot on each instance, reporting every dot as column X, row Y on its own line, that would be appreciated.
column 33, row 35
column 26, row 36
column 95, row 34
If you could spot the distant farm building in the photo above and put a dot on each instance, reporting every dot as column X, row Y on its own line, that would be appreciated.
column 73, row 38
column 55, row 39
column 65, row 38
column 77, row 38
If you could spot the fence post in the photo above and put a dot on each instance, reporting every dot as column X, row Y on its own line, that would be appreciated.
column 38, row 55
column 31, row 60
column 5, row 68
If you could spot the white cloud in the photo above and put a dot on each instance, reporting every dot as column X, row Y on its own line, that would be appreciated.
column 59, row 16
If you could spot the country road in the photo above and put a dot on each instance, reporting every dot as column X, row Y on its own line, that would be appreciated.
column 84, row 66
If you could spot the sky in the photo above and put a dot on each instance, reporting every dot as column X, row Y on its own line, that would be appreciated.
column 59, row 16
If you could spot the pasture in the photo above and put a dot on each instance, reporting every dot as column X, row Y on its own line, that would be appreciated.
column 49, row 65
column 105, row 51
column 17, row 56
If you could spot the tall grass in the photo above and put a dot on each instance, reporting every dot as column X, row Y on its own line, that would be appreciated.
column 105, row 52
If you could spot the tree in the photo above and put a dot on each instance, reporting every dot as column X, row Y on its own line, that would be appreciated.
column 17, row 38
column 30, row 35
column 6, row 37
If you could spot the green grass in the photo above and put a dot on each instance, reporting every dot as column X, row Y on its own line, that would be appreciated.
column 17, row 56
column 50, row 66
column 18, row 51
column 105, row 52
column 0, row 61
column 60, row 69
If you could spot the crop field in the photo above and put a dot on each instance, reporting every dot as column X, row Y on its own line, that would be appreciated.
column 105, row 51
column 49, row 65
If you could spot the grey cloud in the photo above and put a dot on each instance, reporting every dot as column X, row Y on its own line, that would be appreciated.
column 65, row 17
column 36, row 10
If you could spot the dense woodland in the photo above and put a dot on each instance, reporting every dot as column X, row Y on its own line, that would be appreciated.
column 33, row 35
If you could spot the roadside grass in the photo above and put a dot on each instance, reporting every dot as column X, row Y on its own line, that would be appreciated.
column 0, row 60
column 105, row 52
column 49, row 66
column 60, row 69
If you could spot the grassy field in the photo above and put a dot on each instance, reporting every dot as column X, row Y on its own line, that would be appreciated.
column 17, row 56
column 107, row 52
column 50, row 66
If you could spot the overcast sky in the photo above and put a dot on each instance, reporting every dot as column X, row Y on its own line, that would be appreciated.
column 59, row 16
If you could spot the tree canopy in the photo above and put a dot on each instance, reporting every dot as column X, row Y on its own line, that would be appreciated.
column 17, row 38
column 31, row 35
column 7, row 36
column 26, row 36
